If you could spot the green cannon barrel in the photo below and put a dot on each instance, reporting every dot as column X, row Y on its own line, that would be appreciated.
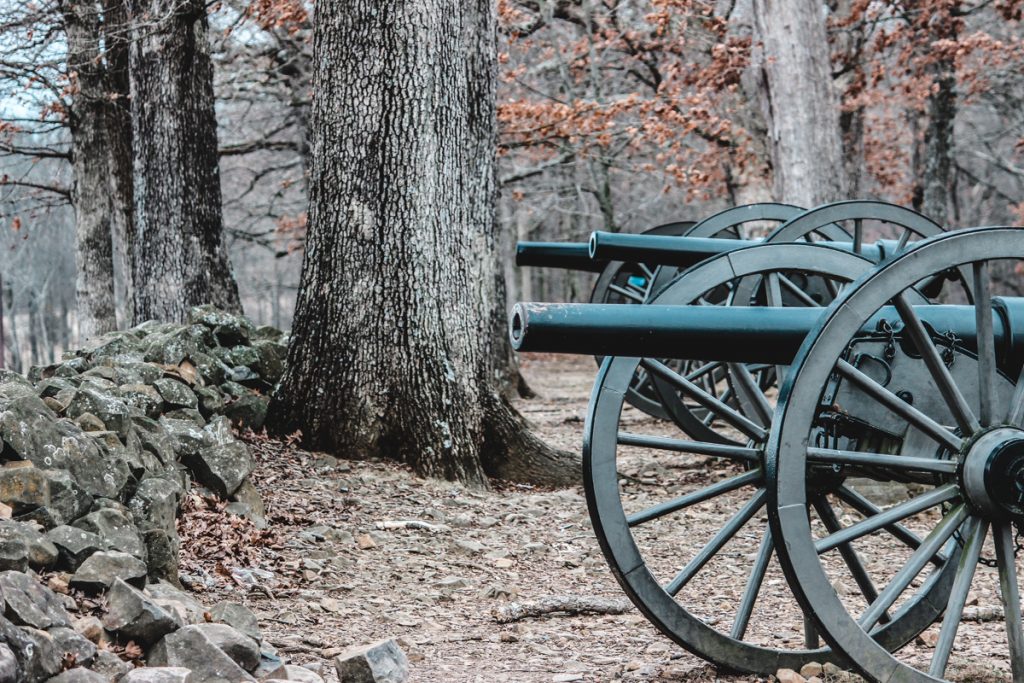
column 730, row 334
column 683, row 252
column 567, row 255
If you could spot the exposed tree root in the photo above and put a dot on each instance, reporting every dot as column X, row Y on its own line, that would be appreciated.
column 567, row 604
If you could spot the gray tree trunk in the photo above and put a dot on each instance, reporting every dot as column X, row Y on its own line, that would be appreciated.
column 94, row 286
column 932, row 194
column 180, row 259
column 393, row 350
column 799, row 101
column 116, row 37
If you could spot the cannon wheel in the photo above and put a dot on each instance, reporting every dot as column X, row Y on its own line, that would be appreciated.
column 645, row 526
column 728, row 224
column 823, row 222
column 630, row 283
column 971, row 433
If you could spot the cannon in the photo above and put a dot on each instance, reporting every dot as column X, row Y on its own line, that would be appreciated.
column 645, row 491
column 958, row 436
column 660, row 258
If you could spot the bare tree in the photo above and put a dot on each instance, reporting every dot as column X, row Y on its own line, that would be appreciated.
column 92, row 201
column 799, row 102
column 393, row 348
column 179, row 255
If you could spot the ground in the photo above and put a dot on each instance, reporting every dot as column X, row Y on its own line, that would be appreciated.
column 341, row 565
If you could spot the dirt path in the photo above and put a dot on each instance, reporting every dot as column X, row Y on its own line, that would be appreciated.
column 342, row 567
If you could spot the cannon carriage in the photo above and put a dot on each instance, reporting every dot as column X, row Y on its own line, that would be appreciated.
column 885, row 402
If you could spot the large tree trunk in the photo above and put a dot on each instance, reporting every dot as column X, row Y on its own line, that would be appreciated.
column 116, row 36
column 933, row 189
column 94, row 285
column 393, row 349
column 180, row 259
column 799, row 101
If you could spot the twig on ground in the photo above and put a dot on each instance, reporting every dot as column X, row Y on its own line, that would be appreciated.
column 514, row 611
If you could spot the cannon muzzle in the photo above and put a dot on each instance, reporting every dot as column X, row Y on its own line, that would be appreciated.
column 567, row 255
column 746, row 334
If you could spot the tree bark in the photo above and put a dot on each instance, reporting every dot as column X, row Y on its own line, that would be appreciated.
column 932, row 194
column 799, row 101
column 116, row 37
column 393, row 350
column 180, row 259
column 94, row 285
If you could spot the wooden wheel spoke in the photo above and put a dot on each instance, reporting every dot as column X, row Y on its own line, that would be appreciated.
column 706, row 493
column 897, row 513
column 753, row 587
column 958, row 595
column 881, row 460
column 846, row 550
column 928, row 549
column 898, row 406
column 797, row 292
column 715, row 405
column 986, row 343
column 1010, row 593
column 665, row 443
column 864, row 506
column 715, row 544
column 940, row 374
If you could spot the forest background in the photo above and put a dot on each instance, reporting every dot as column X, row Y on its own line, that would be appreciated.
column 614, row 115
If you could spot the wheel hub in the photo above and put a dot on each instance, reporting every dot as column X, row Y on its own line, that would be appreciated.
column 993, row 473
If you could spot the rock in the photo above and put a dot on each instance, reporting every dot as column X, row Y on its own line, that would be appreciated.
column 112, row 411
column 247, row 495
column 222, row 468
column 210, row 401
column 175, row 394
column 789, row 676
column 9, row 669
column 229, row 329
column 241, row 648
column 162, row 555
column 37, row 656
column 133, row 615
column 811, row 669
column 248, row 411
column 100, row 471
column 290, row 672
column 141, row 396
column 74, row 545
column 90, row 423
column 13, row 548
column 155, row 439
column 157, row 674
column 23, row 487
column 42, row 553
column 115, row 530
column 238, row 617
column 99, row 571
column 381, row 662
column 68, row 501
column 155, row 504
column 79, row 675
column 28, row 603
column 71, row 644
column 29, row 428
column 190, row 647
column 90, row 628
column 164, row 592
column 186, row 437
column 110, row 665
